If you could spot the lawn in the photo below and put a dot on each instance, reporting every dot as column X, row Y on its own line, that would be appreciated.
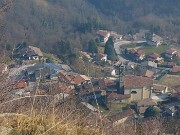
column 129, row 46
column 152, row 49
column 114, row 108
column 52, row 58
column 169, row 80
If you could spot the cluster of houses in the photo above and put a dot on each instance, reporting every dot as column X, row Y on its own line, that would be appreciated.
column 143, row 35
column 99, row 57
column 103, row 36
column 139, row 55
column 135, row 54
column 27, row 53
column 130, row 84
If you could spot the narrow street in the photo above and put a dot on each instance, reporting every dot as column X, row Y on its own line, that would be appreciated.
column 117, row 48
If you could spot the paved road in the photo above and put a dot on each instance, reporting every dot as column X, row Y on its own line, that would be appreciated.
column 117, row 48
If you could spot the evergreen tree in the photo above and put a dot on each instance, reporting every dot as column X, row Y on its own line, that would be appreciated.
column 109, row 49
column 92, row 46
column 151, row 112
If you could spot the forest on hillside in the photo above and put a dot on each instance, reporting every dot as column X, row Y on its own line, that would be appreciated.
column 46, row 23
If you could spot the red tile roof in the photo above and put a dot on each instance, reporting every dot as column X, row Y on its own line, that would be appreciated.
column 103, row 83
column 121, row 115
column 78, row 80
column 132, row 50
column 140, row 52
column 60, row 88
column 20, row 85
column 154, row 55
column 146, row 102
column 36, row 50
column 72, row 79
column 103, row 33
column 176, row 88
column 171, row 64
column 132, row 81
column 176, row 69
column 149, row 73
column 158, row 88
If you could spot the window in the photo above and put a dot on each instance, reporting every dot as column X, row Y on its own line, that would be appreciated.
column 133, row 92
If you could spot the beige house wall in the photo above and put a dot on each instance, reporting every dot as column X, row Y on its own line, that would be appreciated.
column 146, row 93
column 140, row 93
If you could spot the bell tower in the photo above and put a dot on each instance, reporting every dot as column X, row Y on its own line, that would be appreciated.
column 120, row 82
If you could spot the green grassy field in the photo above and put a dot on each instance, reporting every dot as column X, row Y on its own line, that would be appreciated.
column 129, row 46
column 159, row 50
column 114, row 108
column 151, row 49
column 52, row 58
column 169, row 80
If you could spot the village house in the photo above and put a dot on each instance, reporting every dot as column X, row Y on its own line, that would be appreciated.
column 175, row 92
column 141, row 35
column 28, row 53
column 61, row 91
column 160, row 89
column 171, row 53
column 148, row 73
column 175, row 89
column 142, row 105
column 66, row 78
column 101, row 57
column 86, row 55
column 128, row 37
column 43, row 71
column 154, row 57
column 116, row 37
column 138, row 87
column 34, row 53
column 152, row 66
column 107, row 84
column 172, row 109
column 156, row 40
column 91, row 95
column 122, row 117
column 175, row 70
column 114, row 97
column 57, row 89
column 21, row 84
column 61, row 88
column 73, row 80
column 109, row 71
column 136, row 54
column 102, row 35
column 171, row 64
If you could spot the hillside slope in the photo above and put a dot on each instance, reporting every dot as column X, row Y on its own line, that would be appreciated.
column 45, row 22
